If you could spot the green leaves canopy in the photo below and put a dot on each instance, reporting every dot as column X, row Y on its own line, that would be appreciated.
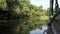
column 25, row 16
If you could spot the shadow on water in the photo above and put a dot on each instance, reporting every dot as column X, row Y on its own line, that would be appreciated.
column 39, row 31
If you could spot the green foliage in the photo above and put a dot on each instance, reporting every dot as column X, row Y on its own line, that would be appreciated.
column 47, row 12
column 19, row 16
column 3, row 4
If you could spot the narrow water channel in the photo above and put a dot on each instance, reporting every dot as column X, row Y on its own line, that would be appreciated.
column 39, row 31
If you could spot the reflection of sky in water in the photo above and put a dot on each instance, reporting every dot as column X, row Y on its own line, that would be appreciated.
column 38, row 31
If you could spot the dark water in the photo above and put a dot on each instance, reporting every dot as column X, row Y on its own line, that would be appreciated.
column 39, row 31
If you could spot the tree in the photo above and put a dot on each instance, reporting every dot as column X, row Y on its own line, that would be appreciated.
column 19, row 16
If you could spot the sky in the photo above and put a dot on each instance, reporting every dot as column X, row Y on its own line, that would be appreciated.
column 44, row 3
column 38, row 31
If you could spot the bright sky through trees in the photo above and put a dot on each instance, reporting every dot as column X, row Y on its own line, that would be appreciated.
column 44, row 3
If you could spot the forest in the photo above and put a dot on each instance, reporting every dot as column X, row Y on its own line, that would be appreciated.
column 20, row 17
